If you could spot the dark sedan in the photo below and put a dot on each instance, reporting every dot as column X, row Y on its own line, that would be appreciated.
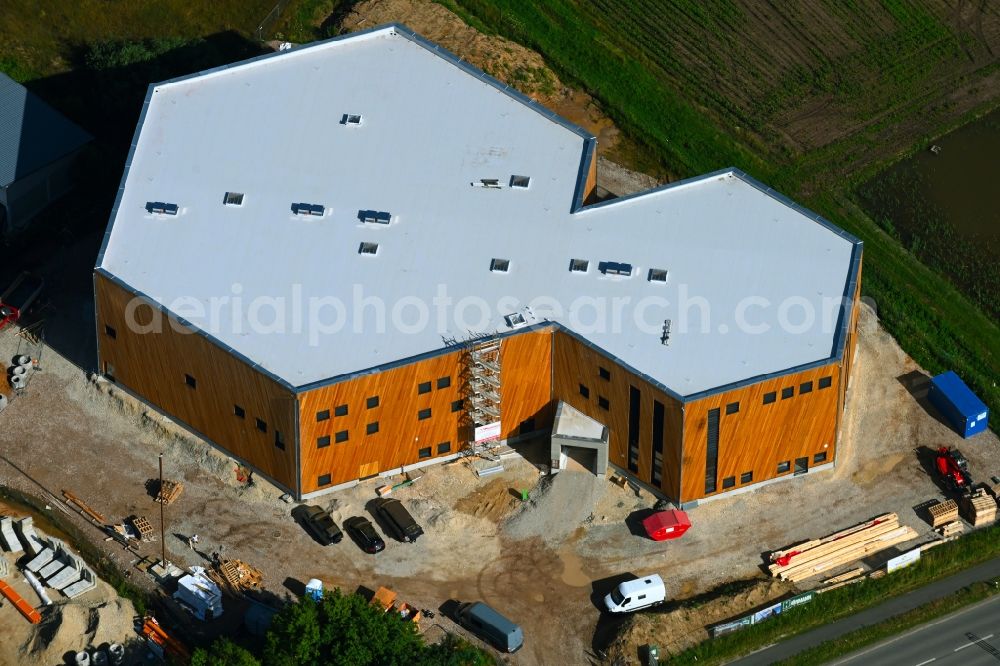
column 318, row 523
column 364, row 534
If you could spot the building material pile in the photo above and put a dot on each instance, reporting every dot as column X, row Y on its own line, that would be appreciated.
column 169, row 491
column 943, row 512
column 979, row 508
column 142, row 526
column 812, row 558
column 239, row 575
column 954, row 528
column 855, row 575
column 80, row 504
column 386, row 599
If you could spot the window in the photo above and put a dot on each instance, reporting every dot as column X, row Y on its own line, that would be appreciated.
column 787, row 393
column 308, row 209
column 514, row 320
column 261, row 425
column 323, row 415
column 233, row 199
column 500, row 265
column 350, row 119
column 728, row 482
column 375, row 216
column 784, row 466
column 746, row 477
column 493, row 183
column 340, row 437
column 825, row 382
column 190, row 381
column 323, row 442
column 279, row 440
column 443, row 382
column 372, row 402
column 239, row 411
column 423, row 387
column 770, row 397
column 634, row 414
column 603, row 403
column 527, row 425
column 424, row 453
column 604, row 373
column 733, row 408
column 584, row 391
column 110, row 332
column 615, row 268
column 657, row 275
column 656, row 465
column 160, row 208
column 340, row 410
column 424, row 414
column 712, row 451
column 520, row 181
column 819, row 457
column 444, row 447
column 805, row 387
column 371, row 428
column 323, row 480
column 578, row 265
column 368, row 248
column 457, row 405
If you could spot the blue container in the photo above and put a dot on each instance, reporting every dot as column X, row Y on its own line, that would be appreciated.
column 960, row 406
column 314, row 589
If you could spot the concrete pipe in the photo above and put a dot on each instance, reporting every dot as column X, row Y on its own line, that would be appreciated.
column 17, row 381
column 23, row 359
column 81, row 659
column 20, row 370
column 117, row 654
column 99, row 658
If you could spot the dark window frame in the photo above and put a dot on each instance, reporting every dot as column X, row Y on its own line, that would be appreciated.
column 239, row 412
column 746, row 477
column 372, row 402
column 279, row 440
column 770, row 398
column 322, row 415
column 323, row 441
column 424, row 414
column 728, row 482
column 423, row 387
column 340, row 410
column 603, row 403
column 443, row 382
column 190, row 381
column 424, row 453
column 825, row 382
column 457, row 405
column 733, row 408
column 585, row 391
column 262, row 425
column 784, row 467
column 603, row 373
column 371, row 428
column 443, row 448
column 323, row 480
column 819, row 458
column 110, row 332
column 805, row 387
column 341, row 436
column 787, row 392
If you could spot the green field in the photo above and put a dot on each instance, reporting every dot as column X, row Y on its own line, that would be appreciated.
column 812, row 98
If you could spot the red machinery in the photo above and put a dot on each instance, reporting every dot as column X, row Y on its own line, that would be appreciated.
column 953, row 469
column 18, row 297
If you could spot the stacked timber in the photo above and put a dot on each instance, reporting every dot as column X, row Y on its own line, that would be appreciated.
column 169, row 491
column 948, row 530
column 979, row 508
column 943, row 512
column 812, row 558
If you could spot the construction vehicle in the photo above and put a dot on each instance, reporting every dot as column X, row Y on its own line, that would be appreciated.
column 953, row 468
column 19, row 297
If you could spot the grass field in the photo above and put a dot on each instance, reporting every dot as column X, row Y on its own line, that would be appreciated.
column 811, row 97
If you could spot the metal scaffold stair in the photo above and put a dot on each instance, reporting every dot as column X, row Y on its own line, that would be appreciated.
column 483, row 371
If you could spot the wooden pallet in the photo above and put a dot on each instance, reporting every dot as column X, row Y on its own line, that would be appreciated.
column 951, row 529
column 943, row 512
column 142, row 526
column 240, row 575
column 169, row 491
column 979, row 508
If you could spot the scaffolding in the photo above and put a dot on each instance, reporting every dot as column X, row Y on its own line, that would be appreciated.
column 483, row 383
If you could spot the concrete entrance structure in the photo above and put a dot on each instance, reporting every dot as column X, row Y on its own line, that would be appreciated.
column 573, row 428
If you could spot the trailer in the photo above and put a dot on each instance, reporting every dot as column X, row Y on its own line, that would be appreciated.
column 959, row 405
column 19, row 297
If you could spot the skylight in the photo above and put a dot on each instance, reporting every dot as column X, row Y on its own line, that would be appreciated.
column 374, row 216
column 615, row 268
column 491, row 183
column 520, row 181
column 514, row 320
column 161, row 208
column 657, row 275
column 308, row 209
column 500, row 265
column 351, row 119
column 368, row 248
column 579, row 265
column 233, row 199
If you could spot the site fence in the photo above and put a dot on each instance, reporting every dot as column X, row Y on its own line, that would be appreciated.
column 761, row 615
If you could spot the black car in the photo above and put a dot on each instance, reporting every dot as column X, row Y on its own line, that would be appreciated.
column 394, row 514
column 364, row 534
column 319, row 523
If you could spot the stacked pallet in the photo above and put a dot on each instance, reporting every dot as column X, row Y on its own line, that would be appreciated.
column 240, row 576
column 142, row 526
column 979, row 508
column 169, row 491
column 948, row 530
column 943, row 512
column 817, row 556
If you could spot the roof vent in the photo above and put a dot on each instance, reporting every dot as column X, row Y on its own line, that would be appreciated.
column 368, row 248
column 665, row 335
column 374, row 216
column 515, row 320
column 520, row 181
column 500, row 265
column 233, row 199
column 578, row 265
column 161, row 208
column 615, row 268
column 490, row 183
column 657, row 275
column 308, row 209
column 351, row 119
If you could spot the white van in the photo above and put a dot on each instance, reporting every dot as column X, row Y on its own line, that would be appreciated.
column 633, row 595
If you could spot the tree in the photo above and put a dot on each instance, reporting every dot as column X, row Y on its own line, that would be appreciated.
column 223, row 652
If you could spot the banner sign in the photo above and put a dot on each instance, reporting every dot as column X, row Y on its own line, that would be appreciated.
column 904, row 560
column 798, row 600
column 761, row 615
column 488, row 432
column 766, row 613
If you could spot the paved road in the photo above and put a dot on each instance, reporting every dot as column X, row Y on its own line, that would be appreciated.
column 986, row 571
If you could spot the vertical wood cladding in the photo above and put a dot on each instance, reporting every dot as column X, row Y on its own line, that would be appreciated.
column 403, row 437
column 155, row 366
column 577, row 365
column 759, row 436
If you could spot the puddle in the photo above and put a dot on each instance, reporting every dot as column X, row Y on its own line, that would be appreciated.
column 572, row 573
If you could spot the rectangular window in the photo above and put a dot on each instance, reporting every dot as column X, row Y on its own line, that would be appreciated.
column 819, row 458
column 375, row 216
column 323, row 442
column 261, row 425
column 371, row 428
column 233, row 199
column 584, row 391
column 825, row 382
column 340, row 410
column 712, row 451
column 423, row 387
column 657, row 275
column 578, row 265
column 770, row 397
column 308, row 209
column 527, row 425
column 368, row 248
column 801, row 466
column 351, row 119
column 110, row 332
column 340, row 437
column 787, row 393
column 279, row 441
column 443, row 382
column 733, row 408
column 424, row 453
column 728, row 482
column 322, row 415
column 372, row 402
column 456, row 406
column 323, row 480
column 424, row 414
column 655, row 474
column 634, row 413
column 239, row 411
column 444, row 447
column 603, row 403
column 190, row 381
column 520, row 181
column 161, row 208
column 603, row 373
column 784, row 466
column 746, row 477
column 500, row 265
column 805, row 387
column 489, row 182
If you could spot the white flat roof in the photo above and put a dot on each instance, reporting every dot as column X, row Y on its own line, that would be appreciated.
column 257, row 276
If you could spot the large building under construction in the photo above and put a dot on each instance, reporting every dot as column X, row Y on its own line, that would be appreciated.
column 364, row 254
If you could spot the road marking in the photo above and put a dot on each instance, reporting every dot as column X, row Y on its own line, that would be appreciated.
column 975, row 642
column 927, row 662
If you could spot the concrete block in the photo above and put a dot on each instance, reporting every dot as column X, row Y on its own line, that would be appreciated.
column 26, row 530
column 8, row 537
column 87, row 582
column 40, row 560
column 64, row 578
column 51, row 569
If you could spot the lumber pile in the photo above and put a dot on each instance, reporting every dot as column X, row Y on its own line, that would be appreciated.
column 169, row 491
column 812, row 558
column 954, row 528
column 239, row 575
column 848, row 577
column 943, row 512
column 80, row 504
column 979, row 508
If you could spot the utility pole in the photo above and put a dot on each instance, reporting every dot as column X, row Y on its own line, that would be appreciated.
column 163, row 541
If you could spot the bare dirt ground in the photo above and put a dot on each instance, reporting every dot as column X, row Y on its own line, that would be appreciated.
column 544, row 562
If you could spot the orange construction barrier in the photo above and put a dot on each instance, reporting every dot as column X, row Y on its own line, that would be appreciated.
column 26, row 609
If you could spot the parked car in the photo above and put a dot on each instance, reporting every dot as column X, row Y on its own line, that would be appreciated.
column 399, row 520
column 364, row 534
column 319, row 523
column 491, row 626
column 633, row 595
